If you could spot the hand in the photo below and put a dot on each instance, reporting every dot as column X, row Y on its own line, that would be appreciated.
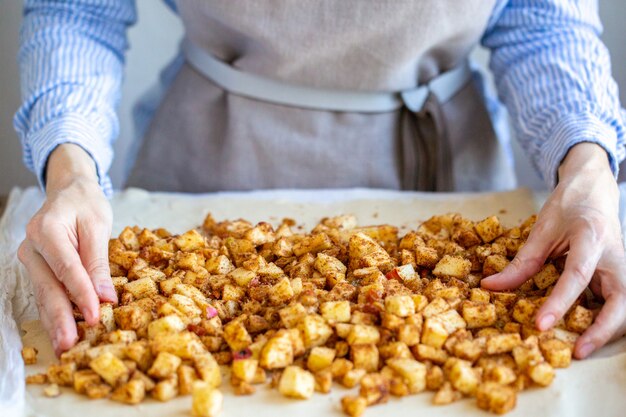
column 580, row 218
column 66, row 246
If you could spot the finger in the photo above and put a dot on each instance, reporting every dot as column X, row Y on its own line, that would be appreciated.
column 66, row 265
column 580, row 266
column 55, row 309
column 93, row 242
column 526, row 263
column 609, row 324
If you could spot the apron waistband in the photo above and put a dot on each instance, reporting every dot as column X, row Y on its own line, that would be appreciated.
column 235, row 81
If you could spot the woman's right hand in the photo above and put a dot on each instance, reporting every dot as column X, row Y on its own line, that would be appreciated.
column 66, row 247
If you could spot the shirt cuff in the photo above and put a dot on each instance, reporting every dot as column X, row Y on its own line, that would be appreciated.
column 71, row 128
column 572, row 130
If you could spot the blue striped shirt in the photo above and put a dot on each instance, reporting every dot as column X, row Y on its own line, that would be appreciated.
column 551, row 70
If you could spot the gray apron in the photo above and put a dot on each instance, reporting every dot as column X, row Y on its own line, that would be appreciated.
column 205, row 138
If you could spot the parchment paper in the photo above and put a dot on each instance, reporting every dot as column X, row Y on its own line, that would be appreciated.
column 592, row 387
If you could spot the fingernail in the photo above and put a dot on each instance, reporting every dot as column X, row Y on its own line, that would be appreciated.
column 546, row 321
column 90, row 316
column 107, row 292
column 586, row 349
column 95, row 315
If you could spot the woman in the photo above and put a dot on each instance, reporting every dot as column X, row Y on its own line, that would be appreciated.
column 327, row 93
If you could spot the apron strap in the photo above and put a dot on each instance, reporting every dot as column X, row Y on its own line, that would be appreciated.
column 238, row 82
column 425, row 154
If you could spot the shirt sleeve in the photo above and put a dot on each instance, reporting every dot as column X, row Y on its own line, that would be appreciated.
column 71, row 61
column 554, row 75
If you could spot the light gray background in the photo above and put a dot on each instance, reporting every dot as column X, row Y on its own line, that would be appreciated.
column 154, row 40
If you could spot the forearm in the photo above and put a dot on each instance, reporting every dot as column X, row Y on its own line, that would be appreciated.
column 71, row 61
column 553, row 73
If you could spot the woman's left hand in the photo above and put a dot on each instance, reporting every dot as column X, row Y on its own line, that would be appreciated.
column 580, row 218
